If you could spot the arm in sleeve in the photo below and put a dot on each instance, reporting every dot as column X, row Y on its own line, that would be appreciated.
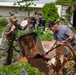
column 70, row 33
column 8, row 30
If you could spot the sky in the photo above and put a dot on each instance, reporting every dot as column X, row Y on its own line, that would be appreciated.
column 44, row 1
column 39, row 2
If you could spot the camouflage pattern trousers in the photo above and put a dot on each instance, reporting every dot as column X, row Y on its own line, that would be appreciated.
column 8, row 56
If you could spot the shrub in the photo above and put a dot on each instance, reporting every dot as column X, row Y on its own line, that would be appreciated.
column 3, row 22
column 49, row 12
column 20, row 68
column 45, row 35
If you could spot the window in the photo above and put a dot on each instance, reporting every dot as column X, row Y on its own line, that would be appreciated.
column 11, row 14
column 36, row 13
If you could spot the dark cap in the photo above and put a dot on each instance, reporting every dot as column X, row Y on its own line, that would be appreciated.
column 52, row 23
column 39, row 14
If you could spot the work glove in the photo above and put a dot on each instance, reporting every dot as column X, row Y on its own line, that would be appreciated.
column 46, row 52
column 13, row 27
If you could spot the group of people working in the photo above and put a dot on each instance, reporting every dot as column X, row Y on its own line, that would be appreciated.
column 34, row 23
column 11, row 34
column 61, row 32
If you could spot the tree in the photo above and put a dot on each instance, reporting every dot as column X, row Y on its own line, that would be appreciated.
column 61, row 2
column 49, row 12
column 25, row 5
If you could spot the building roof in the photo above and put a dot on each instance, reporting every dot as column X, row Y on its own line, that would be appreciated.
column 11, row 4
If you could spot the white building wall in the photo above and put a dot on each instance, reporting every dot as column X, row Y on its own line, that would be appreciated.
column 59, row 9
column 4, row 12
column 62, row 13
column 6, row 7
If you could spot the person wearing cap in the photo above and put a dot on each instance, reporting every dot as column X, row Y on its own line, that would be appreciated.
column 6, row 47
column 62, row 33
column 41, row 22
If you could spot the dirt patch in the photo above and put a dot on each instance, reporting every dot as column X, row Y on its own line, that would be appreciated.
column 40, row 64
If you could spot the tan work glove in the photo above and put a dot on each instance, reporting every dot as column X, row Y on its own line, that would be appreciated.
column 13, row 27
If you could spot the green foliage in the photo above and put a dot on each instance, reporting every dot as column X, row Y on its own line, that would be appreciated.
column 66, row 2
column 26, row 6
column 70, row 10
column 45, row 35
column 50, row 12
column 19, row 68
column 3, row 22
column 63, row 1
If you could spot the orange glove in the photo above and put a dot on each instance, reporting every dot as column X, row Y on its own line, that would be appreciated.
column 45, row 53
column 24, row 59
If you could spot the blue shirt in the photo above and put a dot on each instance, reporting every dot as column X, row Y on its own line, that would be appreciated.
column 63, row 33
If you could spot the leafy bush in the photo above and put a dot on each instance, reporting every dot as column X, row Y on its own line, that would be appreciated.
column 3, row 22
column 43, row 35
column 49, row 12
column 61, row 2
column 20, row 68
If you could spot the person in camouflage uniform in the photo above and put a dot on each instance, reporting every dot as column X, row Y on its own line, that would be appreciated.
column 6, row 47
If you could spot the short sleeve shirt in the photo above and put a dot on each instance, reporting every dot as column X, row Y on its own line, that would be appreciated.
column 33, row 21
column 24, row 23
column 63, row 33
column 42, row 22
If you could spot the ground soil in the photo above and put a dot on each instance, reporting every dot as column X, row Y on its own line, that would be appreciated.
column 30, row 47
column 40, row 64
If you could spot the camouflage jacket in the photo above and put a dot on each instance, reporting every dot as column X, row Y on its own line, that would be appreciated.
column 6, row 41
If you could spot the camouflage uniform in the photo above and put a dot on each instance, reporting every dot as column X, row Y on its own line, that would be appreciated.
column 6, row 47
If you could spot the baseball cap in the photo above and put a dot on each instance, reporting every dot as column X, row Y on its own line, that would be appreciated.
column 39, row 14
column 52, row 23
column 13, row 19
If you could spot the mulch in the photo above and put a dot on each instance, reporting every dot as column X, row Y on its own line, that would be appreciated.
column 40, row 64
